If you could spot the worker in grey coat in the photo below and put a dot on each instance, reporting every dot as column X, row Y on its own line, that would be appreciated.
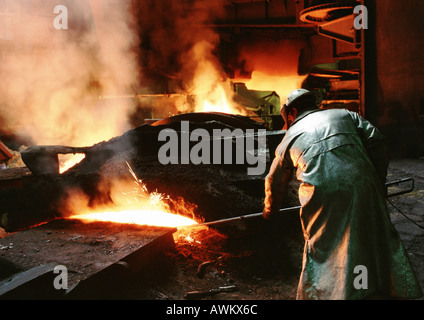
column 352, row 250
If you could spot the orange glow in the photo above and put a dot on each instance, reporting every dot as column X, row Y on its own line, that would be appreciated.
column 69, row 161
column 210, row 87
column 281, row 84
column 131, row 203
column 140, row 217
column 216, row 101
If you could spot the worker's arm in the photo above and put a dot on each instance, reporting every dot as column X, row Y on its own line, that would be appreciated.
column 276, row 184
column 375, row 144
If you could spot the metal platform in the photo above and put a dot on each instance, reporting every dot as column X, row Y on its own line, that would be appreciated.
column 99, row 257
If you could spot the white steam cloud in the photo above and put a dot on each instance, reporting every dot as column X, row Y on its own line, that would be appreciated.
column 52, row 78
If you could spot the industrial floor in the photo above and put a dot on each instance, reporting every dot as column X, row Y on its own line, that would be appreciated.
column 246, row 266
column 260, row 272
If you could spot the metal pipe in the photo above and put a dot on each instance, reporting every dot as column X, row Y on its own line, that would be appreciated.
column 260, row 25
column 244, row 217
column 389, row 184
column 297, row 208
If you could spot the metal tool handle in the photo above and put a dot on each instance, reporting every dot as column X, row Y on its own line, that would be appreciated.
column 247, row 216
column 400, row 181
column 297, row 208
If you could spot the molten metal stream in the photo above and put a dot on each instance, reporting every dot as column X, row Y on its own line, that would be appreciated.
column 156, row 218
column 70, row 161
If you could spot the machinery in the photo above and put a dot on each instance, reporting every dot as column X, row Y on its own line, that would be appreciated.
column 337, row 72
column 266, row 104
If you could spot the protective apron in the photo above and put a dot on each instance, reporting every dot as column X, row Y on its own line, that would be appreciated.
column 352, row 250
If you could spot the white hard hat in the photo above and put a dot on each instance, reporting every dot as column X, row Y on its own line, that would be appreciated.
column 296, row 94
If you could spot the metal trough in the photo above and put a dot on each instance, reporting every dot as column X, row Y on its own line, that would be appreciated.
column 100, row 258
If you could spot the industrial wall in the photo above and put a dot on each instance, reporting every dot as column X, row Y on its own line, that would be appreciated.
column 399, row 66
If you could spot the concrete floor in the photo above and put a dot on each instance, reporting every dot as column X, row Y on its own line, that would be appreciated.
column 411, row 205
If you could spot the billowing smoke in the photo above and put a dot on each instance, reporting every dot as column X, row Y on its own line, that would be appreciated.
column 178, row 42
column 171, row 29
column 52, row 78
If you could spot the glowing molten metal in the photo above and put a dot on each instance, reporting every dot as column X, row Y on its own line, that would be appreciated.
column 156, row 218
column 70, row 161
column 131, row 205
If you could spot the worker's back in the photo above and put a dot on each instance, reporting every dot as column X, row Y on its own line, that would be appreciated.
column 344, row 215
column 318, row 135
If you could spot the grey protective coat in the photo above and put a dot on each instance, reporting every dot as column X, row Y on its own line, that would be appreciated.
column 352, row 250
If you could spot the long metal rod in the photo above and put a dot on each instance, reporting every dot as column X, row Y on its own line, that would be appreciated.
column 297, row 208
column 247, row 216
